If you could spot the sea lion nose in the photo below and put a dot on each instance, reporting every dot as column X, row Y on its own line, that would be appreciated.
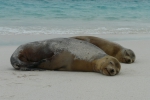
column 112, row 71
column 129, row 61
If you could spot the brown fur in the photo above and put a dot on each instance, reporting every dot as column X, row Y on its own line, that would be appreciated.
column 113, row 49
column 30, row 55
column 34, row 57
column 66, row 62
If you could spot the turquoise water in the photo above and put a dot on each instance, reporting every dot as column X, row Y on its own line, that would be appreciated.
column 74, row 16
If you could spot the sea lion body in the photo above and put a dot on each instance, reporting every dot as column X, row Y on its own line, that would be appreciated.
column 62, row 54
column 124, row 55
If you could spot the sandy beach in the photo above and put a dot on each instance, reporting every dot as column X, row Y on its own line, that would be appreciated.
column 126, row 22
column 132, row 83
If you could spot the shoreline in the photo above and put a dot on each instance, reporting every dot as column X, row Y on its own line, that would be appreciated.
column 24, row 38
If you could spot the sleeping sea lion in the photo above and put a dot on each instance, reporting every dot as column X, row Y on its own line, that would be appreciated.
column 124, row 55
column 66, row 54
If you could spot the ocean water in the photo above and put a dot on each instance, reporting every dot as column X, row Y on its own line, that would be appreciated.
column 74, row 17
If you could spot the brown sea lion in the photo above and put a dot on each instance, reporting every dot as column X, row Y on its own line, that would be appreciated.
column 65, row 54
column 124, row 55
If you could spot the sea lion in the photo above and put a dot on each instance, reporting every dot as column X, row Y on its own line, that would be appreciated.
column 124, row 55
column 65, row 54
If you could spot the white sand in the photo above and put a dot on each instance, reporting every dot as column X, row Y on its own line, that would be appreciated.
column 133, row 82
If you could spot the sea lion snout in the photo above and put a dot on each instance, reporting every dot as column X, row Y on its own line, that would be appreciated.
column 111, row 71
column 128, row 60
column 108, row 65
column 129, row 56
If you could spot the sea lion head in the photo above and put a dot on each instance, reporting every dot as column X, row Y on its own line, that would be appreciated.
column 126, row 56
column 108, row 65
